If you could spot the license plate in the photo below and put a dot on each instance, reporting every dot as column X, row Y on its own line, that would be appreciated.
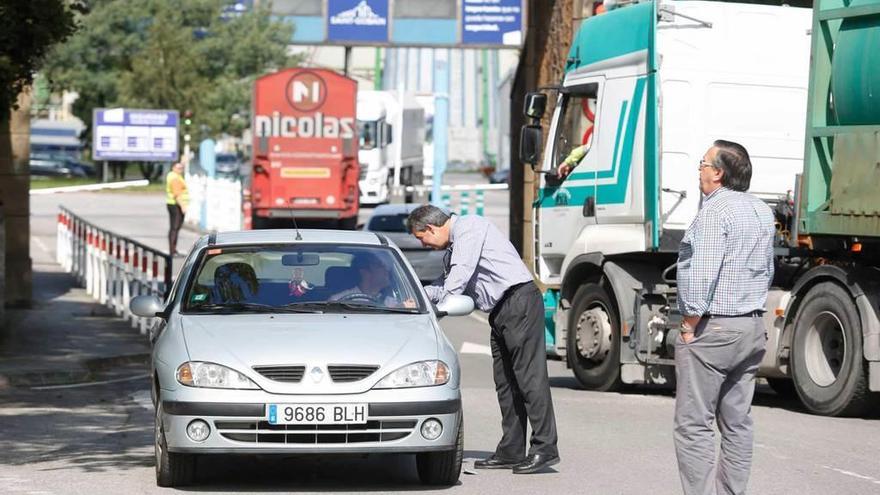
column 317, row 414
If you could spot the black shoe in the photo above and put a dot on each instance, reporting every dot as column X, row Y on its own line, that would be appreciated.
column 493, row 462
column 535, row 463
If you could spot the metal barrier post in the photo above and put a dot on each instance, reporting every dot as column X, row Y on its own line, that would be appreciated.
column 480, row 207
column 465, row 203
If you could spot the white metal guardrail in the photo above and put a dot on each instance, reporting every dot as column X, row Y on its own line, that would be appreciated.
column 113, row 269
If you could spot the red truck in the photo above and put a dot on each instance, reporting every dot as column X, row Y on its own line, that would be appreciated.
column 305, row 149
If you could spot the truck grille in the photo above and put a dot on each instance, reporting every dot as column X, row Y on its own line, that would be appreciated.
column 289, row 374
column 350, row 373
column 362, row 174
column 263, row 432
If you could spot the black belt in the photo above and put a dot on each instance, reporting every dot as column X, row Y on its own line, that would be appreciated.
column 507, row 293
column 750, row 314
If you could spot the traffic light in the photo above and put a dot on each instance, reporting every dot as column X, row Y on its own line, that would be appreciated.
column 187, row 118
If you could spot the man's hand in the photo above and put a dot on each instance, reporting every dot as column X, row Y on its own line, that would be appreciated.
column 183, row 209
column 688, row 327
column 409, row 303
column 563, row 170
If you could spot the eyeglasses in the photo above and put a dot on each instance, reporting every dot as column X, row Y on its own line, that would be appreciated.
column 704, row 163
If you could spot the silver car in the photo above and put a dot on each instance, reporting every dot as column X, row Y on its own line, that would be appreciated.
column 286, row 342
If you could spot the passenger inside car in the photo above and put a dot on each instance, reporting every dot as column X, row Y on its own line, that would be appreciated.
column 235, row 282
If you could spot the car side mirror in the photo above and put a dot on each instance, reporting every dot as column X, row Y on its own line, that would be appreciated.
column 455, row 305
column 530, row 138
column 147, row 306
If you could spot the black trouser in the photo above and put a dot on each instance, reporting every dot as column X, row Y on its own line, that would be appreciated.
column 519, row 361
column 175, row 222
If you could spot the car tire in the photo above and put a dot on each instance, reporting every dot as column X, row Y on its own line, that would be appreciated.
column 599, row 369
column 828, row 367
column 172, row 469
column 442, row 468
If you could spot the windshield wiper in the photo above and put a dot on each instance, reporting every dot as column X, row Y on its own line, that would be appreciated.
column 351, row 307
column 256, row 307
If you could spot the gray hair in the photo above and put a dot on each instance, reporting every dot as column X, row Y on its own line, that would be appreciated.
column 734, row 160
column 426, row 215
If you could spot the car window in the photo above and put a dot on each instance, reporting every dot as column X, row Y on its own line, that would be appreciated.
column 320, row 277
column 388, row 223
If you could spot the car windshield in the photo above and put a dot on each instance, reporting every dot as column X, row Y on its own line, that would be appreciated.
column 312, row 278
column 388, row 223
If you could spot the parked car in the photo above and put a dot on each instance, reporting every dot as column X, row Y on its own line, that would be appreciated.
column 229, row 164
column 302, row 342
column 50, row 165
column 500, row 176
column 390, row 220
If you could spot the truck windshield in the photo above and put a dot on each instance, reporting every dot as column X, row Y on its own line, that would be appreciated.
column 367, row 132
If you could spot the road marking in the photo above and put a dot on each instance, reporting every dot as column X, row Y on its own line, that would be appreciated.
column 479, row 317
column 854, row 475
column 91, row 384
column 41, row 245
column 471, row 348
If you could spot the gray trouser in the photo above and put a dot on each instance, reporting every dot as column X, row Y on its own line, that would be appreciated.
column 716, row 381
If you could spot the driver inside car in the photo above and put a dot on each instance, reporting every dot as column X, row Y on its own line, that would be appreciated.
column 374, row 282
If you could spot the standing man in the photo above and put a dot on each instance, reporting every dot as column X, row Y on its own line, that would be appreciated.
column 725, row 266
column 481, row 263
column 177, row 199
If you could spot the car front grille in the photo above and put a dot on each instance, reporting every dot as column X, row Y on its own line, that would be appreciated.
column 350, row 373
column 362, row 174
column 289, row 374
column 264, row 432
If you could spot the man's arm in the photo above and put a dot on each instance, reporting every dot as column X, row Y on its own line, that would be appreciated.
column 465, row 256
column 709, row 241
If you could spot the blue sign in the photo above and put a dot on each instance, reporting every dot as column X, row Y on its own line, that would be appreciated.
column 142, row 135
column 357, row 20
column 492, row 22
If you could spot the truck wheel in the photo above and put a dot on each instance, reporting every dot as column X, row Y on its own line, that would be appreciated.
column 258, row 223
column 593, row 339
column 348, row 223
column 827, row 364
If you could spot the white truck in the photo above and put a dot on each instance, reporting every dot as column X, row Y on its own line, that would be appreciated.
column 391, row 128
column 668, row 78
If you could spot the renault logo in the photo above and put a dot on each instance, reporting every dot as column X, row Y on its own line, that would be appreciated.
column 317, row 374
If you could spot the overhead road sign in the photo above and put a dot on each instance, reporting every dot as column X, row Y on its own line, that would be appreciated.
column 126, row 134
column 427, row 23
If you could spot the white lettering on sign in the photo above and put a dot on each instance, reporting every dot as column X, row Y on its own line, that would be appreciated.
column 316, row 125
column 301, row 91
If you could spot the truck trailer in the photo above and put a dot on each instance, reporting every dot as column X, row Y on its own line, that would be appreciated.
column 666, row 79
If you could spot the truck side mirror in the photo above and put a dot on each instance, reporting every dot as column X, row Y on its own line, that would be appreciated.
column 535, row 104
column 530, row 138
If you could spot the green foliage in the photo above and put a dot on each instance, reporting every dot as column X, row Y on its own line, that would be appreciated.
column 182, row 55
column 28, row 29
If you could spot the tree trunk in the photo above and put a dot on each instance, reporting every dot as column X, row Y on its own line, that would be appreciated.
column 15, row 197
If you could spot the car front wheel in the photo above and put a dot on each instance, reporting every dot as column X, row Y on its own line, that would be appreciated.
column 171, row 469
column 442, row 468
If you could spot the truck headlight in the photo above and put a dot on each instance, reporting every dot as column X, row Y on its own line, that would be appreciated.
column 421, row 374
column 210, row 375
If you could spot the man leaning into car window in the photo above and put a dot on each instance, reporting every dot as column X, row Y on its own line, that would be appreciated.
column 374, row 280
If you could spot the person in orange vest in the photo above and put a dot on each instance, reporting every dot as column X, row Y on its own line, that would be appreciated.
column 177, row 199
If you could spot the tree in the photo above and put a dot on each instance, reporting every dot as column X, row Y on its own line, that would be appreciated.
column 170, row 54
column 28, row 29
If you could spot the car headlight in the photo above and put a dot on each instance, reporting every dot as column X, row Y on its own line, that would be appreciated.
column 421, row 374
column 210, row 375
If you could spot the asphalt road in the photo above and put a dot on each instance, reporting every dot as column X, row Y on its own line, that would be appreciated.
column 98, row 439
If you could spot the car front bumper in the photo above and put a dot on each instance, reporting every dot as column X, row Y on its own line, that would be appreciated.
column 242, row 427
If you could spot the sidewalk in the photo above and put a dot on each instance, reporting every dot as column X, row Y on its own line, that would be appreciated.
column 66, row 338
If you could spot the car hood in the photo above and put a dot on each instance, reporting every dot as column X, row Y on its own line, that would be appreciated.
column 242, row 342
